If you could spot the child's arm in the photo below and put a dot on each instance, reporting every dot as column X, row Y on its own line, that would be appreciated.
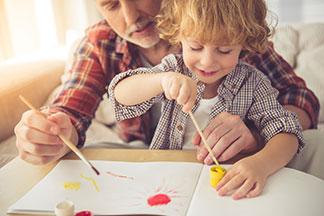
column 282, row 133
column 278, row 152
column 248, row 176
column 134, row 92
column 139, row 88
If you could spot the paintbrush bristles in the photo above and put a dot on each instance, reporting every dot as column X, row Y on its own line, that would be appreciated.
column 78, row 153
column 203, row 138
column 94, row 169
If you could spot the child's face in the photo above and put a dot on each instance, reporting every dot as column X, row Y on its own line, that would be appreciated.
column 209, row 62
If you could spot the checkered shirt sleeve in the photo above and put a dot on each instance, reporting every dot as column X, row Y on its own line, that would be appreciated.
column 123, row 112
column 268, row 114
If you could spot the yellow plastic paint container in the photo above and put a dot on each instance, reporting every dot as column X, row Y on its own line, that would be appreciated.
column 216, row 174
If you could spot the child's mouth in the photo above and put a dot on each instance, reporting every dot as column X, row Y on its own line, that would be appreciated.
column 206, row 73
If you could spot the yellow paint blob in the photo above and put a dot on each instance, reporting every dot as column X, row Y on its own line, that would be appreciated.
column 72, row 185
column 92, row 181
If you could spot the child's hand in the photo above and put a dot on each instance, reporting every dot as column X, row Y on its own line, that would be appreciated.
column 246, row 178
column 180, row 88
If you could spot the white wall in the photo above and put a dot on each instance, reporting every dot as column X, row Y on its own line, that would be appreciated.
column 21, row 23
column 28, row 26
column 294, row 11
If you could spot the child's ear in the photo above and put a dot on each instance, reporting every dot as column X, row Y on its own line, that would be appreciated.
column 178, row 46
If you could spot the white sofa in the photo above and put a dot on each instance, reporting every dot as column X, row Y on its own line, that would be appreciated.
column 301, row 45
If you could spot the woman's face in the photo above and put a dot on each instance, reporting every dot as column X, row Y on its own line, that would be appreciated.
column 132, row 19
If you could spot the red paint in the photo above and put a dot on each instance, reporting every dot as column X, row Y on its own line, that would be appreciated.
column 119, row 176
column 158, row 199
column 83, row 213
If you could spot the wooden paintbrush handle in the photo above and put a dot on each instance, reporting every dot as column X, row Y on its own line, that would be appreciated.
column 203, row 138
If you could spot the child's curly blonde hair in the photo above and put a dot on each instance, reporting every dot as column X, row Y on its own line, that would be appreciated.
column 224, row 22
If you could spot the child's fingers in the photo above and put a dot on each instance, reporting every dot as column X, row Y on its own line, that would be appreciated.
column 243, row 190
column 188, row 106
column 256, row 191
column 191, row 101
column 187, row 98
column 232, row 184
column 167, row 94
column 166, row 88
column 174, row 89
column 228, row 176
column 184, row 95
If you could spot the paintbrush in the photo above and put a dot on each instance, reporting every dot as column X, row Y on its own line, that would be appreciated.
column 203, row 138
column 65, row 140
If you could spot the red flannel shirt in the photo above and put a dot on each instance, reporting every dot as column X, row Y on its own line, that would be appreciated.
column 102, row 54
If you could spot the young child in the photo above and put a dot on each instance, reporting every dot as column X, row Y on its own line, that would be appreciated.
column 208, row 79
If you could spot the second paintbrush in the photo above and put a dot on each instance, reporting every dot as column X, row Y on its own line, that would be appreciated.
column 63, row 138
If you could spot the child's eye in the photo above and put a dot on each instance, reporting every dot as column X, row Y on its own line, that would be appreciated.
column 196, row 48
column 224, row 51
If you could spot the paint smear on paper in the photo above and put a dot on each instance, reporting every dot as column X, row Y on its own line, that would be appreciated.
column 158, row 199
column 72, row 185
column 120, row 176
column 92, row 181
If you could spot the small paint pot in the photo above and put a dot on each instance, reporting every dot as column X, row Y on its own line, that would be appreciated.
column 216, row 174
column 84, row 213
column 64, row 208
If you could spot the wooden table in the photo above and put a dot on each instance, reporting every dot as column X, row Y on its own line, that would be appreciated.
column 18, row 177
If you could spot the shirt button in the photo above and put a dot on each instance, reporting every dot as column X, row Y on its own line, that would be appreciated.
column 179, row 127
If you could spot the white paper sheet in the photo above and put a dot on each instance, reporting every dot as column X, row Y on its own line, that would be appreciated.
column 124, row 188
column 129, row 188
column 287, row 192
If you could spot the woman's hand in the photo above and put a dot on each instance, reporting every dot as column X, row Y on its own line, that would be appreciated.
column 227, row 136
column 37, row 139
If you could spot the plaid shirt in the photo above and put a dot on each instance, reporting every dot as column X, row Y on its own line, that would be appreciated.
column 102, row 54
column 245, row 92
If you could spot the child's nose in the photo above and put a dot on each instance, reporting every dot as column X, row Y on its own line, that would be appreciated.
column 209, row 63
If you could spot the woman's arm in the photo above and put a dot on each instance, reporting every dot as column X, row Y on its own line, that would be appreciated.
column 303, row 117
